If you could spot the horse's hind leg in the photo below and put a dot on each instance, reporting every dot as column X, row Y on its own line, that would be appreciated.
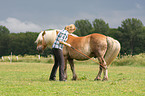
column 73, row 69
column 99, row 74
column 104, row 68
column 105, row 75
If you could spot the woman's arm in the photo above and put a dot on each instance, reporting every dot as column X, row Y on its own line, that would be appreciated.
column 64, row 43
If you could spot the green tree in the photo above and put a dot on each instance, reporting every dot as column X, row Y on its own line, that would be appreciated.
column 83, row 27
column 4, row 40
column 131, row 29
column 23, row 43
column 100, row 26
column 140, row 42
column 4, row 30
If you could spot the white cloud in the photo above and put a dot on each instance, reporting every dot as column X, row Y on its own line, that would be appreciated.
column 15, row 25
column 115, row 18
column 138, row 6
column 54, row 26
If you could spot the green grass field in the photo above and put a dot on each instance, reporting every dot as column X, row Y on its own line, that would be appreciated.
column 31, row 79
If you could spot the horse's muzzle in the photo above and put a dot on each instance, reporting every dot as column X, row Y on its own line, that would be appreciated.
column 39, row 49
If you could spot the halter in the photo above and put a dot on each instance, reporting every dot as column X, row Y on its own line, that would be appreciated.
column 43, row 42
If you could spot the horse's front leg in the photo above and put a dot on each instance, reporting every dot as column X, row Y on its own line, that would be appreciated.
column 65, row 67
column 72, row 68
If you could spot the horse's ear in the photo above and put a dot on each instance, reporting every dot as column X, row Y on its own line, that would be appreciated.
column 43, row 33
column 57, row 31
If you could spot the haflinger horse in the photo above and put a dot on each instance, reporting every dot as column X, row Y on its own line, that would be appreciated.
column 95, row 45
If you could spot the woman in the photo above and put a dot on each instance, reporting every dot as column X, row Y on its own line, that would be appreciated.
column 57, row 48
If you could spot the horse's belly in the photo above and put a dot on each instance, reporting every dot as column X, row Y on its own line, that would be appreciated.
column 80, row 54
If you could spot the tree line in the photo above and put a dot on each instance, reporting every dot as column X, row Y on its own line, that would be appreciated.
column 131, row 35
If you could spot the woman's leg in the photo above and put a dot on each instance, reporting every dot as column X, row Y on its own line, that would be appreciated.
column 55, row 66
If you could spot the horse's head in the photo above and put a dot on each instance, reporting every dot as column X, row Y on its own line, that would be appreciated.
column 41, row 44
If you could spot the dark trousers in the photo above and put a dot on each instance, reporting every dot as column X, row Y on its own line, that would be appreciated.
column 59, row 61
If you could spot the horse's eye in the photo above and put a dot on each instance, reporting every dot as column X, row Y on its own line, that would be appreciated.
column 39, row 42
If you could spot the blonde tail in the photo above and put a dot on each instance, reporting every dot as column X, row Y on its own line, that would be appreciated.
column 113, row 49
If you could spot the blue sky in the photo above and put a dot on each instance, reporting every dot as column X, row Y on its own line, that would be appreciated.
column 37, row 15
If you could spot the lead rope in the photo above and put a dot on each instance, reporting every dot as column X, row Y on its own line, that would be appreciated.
column 87, row 56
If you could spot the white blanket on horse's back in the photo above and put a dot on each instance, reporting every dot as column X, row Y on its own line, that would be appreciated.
column 74, row 35
column 69, row 34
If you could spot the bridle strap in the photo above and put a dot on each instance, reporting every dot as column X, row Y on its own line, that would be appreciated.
column 43, row 42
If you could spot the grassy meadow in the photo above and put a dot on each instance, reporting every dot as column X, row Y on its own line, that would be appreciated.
column 126, row 78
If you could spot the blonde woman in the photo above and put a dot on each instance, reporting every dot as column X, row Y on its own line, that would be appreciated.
column 57, row 48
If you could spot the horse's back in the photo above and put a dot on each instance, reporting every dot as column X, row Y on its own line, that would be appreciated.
column 98, row 36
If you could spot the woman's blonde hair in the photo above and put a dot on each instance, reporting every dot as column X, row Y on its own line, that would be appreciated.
column 72, row 26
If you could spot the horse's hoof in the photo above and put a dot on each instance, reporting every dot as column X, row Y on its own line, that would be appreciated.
column 105, row 79
column 74, row 79
column 97, row 79
column 65, row 77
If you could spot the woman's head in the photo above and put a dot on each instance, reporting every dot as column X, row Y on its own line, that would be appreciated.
column 70, row 28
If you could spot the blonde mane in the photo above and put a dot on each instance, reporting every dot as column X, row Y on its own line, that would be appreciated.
column 39, row 38
column 49, row 37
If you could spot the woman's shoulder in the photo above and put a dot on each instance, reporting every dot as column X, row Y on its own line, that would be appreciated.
column 64, row 31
